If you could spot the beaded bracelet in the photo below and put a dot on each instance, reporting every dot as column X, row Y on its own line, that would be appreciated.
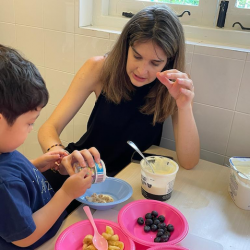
column 58, row 144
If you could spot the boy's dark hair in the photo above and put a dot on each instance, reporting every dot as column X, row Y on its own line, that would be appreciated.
column 22, row 88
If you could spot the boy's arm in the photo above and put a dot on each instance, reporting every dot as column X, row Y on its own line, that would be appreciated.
column 47, row 160
column 46, row 217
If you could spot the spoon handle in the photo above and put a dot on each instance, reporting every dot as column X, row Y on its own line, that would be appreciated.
column 90, row 217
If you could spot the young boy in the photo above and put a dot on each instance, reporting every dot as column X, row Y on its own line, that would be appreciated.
column 31, row 213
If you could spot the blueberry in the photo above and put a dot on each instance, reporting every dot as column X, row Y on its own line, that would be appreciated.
column 140, row 221
column 164, row 238
column 146, row 229
column 161, row 218
column 148, row 222
column 154, row 228
column 157, row 239
column 148, row 216
column 167, row 233
column 154, row 214
column 160, row 230
column 170, row 227
column 161, row 225
column 159, row 234
column 156, row 221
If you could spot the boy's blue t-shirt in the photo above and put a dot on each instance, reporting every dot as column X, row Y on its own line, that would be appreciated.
column 23, row 191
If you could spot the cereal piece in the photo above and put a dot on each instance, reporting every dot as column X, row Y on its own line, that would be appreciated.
column 91, row 247
column 114, row 237
column 109, row 230
column 88, row 239
column 113, row 248
column 106, row 236
column 84, row 247
column 118, row 244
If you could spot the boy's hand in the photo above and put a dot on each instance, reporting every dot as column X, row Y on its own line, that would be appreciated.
column 47, row 160
column 83, row 157
column 77, row 184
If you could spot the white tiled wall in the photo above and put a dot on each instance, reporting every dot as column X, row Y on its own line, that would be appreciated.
column 47, row 33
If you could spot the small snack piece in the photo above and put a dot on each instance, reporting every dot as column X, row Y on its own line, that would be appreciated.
column 88, row 239
column 109, row 235
column 99, row 198
column 109, row 230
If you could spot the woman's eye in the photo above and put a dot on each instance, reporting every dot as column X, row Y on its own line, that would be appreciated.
column 31, row 124
column 137, row 57
column 155, row 64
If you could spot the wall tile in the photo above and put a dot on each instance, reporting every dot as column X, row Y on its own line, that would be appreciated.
column 212, row 157
column 9, row 37
column 216, row 80
column 32, row 147
column 7, row 11
column 80, row 125
column 89, row 104
column 214, row 127
column 189, row 57
column 166, row 143
column 168, row 132
column 59, row 51
column 59, row 15
column 239, row 143
column 243, row 102
column 30, row 41
column 248, row 56
column 86, row 47
column 29, row 12
column 189, row 48
column 227, row 53
column 58, row 83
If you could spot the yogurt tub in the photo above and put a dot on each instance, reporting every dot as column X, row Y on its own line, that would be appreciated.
column 239, row 185
column 158, row 185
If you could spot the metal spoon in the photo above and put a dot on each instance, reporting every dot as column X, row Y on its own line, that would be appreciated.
column 139, row 152
column 98, row 240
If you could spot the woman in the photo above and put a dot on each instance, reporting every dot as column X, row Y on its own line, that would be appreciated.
column 137, row 85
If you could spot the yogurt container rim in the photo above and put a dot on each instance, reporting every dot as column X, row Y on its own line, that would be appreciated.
column 165, row 157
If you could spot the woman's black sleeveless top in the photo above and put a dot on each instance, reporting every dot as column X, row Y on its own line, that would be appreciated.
column 111, row 125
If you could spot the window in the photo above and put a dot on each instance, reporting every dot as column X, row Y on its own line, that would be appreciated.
column 244, row 4
column 182, row 2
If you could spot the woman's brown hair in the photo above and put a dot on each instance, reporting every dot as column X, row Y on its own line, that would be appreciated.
column 160, row 25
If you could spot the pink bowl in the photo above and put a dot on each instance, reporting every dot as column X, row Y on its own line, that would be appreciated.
column 168, row 248
column 72, row 237
column 129, row 214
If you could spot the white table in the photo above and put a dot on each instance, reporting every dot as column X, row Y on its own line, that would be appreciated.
column 201, row 194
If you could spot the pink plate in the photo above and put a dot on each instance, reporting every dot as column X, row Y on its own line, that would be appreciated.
column 72, row 237
column 129, row 214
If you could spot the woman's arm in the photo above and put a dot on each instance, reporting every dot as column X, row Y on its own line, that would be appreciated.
column 186, row 135
column 186, row 138
column 84, row 83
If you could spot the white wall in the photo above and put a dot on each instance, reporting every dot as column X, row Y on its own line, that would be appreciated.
column 47, row 33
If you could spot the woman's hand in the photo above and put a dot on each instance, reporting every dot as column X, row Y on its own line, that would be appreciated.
column 47, row 160
column 179, row 85
column 83, row 157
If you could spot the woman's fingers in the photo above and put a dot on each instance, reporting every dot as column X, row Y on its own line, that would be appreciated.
column 186, row 83
column 96, row 154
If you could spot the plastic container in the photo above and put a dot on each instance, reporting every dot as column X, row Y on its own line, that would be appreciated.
column 158, row 185
column 98, row 172
column 128, row 215
column 239, row 185
column 72, row 237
